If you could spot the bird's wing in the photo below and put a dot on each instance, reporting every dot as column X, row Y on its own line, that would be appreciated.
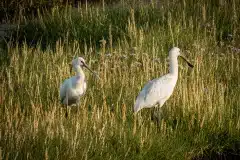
column 67, row 88
column 63, row 90
column 152, row 93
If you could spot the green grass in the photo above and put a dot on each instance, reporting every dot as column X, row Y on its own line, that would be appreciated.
column 90, row 23
column 202, row 117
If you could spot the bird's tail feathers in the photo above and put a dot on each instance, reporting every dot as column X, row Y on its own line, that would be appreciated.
column 137, row 107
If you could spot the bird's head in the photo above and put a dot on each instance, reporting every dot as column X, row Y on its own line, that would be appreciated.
column 175, row 52
column 80, row 62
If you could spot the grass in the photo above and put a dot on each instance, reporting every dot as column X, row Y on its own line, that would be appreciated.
column 201, row 119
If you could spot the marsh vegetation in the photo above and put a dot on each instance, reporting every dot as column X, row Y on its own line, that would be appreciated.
column 126, row 43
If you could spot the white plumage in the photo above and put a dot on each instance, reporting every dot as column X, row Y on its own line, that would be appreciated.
column 158, row 90
column 73, row 88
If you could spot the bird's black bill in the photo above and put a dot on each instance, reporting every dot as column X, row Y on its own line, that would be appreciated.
column 189, row 64
column 91, row 71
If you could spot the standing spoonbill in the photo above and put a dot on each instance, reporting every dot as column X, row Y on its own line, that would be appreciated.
column 158, row 90
column 73, row 88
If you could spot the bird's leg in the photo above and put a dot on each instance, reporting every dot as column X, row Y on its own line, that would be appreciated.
column 156, row 115
column 66, row 114
column 152, row 113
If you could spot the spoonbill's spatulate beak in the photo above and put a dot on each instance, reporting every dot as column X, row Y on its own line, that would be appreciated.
column 189, row 64
column 86, row 66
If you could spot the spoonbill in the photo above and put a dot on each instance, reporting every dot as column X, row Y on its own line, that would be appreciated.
column 157, row 91
column 73, row 88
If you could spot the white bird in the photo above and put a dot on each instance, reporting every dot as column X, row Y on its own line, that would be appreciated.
column 158, row 90
column 73, row 88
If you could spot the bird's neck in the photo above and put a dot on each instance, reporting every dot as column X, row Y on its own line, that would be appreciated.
column 79, row 73
column 173, row 68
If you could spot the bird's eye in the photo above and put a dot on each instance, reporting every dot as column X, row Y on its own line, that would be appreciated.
column 82, row 62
